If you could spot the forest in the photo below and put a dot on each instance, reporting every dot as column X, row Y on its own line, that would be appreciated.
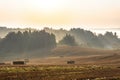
column 86, row 38
column 18, row 42
column 26, row 40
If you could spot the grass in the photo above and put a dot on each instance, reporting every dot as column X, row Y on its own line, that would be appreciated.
column 60, row 72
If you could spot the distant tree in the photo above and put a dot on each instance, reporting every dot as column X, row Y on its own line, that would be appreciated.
column 68, row 40
column 87, row 38
column 27, row 41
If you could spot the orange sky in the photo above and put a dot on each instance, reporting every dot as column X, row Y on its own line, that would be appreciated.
column 60, row 13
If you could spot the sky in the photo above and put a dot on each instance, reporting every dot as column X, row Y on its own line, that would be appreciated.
column 88, row 14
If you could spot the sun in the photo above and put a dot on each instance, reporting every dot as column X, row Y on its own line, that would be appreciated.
column 46, row 6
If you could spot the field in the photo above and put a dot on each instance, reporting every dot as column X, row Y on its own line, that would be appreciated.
column 60, row 72
column 93, row 65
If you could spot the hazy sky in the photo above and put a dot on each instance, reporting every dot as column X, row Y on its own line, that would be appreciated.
column 60, row 13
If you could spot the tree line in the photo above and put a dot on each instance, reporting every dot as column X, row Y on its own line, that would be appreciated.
column 86, row 38
column 23, row 41
column 27, row 41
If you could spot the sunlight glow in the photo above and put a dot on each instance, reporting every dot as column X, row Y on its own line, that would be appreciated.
column 46, row 6
column 60, row 12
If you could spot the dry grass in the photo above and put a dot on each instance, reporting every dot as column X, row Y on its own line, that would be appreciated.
column 60, row 72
